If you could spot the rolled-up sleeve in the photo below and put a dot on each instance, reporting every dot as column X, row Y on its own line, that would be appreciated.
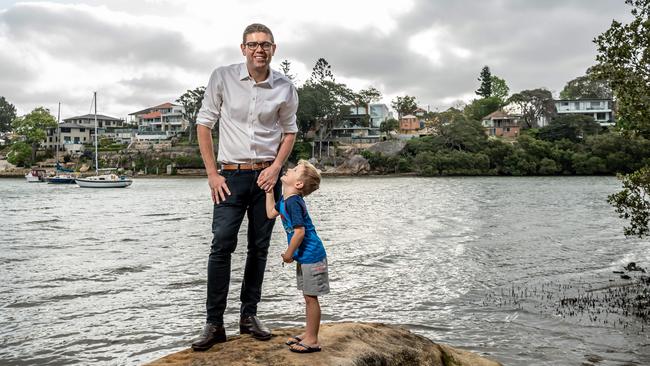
column 211, row 106
column 287, row 112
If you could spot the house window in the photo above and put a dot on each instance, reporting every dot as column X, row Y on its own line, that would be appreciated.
column 595, row 105
column 601, row 116
column 565, row 104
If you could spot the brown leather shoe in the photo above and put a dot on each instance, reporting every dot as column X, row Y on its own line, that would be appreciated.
column 253, row 326
column 212, row 334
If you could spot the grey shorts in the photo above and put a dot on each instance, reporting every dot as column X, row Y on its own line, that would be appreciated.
column 313, row 279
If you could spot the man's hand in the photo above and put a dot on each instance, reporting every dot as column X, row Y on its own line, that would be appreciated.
column 268, row 177
column 218, row 188
column 286, row 257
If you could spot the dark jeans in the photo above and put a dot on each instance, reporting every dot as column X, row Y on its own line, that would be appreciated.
column 246, row 198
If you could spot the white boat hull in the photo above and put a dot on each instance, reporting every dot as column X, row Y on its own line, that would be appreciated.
column 103, row 182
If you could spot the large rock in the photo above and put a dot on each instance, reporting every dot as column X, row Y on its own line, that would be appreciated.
column 388, row 148
column 344, row 344
column 356, row 165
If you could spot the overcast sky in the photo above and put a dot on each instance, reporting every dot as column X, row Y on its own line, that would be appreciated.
column 140, row 53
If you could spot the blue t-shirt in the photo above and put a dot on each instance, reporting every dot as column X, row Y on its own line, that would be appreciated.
column 293, row 212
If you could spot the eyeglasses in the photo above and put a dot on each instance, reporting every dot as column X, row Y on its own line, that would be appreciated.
column 266, row 46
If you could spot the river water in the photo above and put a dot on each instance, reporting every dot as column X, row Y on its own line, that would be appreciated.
column 117, row 277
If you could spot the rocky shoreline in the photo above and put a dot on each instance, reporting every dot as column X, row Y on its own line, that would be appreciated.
column 344, row 344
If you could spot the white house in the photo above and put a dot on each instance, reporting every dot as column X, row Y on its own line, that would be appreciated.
column 600, row 109
column 166, row 118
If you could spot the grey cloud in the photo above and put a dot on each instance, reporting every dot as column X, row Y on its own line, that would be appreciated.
column 529, row 44
column 72, row 33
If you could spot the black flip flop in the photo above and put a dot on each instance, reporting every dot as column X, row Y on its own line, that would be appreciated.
column 307, row 349
column 294, row 340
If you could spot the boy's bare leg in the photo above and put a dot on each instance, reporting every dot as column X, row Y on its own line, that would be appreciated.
column 310, row 337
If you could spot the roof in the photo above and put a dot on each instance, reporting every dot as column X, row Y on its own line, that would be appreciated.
column 500, row 114
column 156, row 114
column 92, row 116
column 581, row 100
column 161, row 106
column 409, row 116
column 72, row 125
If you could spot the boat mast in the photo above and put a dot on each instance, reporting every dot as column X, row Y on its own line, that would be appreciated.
column 58, row 129
column 96, row 156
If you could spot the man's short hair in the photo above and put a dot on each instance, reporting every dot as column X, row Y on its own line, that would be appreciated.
column 255, row 28
column 310, row 178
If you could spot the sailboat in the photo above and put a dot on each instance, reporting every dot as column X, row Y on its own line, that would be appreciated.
column 63, row 175
column 104, row 180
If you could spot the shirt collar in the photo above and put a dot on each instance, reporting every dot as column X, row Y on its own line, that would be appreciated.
column 243, row 75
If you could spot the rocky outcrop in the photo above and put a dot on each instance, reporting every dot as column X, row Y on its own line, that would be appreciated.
column 388, row 148
column 356, row 165
column 351, row 344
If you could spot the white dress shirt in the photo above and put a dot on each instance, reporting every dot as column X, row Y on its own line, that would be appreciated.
column 253, row 116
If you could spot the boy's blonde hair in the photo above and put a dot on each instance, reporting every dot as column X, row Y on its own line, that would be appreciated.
column 310, row 178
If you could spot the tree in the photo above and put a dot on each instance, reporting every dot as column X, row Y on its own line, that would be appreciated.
column 480, row 108
column 586, row 87
column 321, row 72
column 632, row 202
column 32, row 128
column 624, row 59
column 485, row 90
column 364, row 97
column 390, row 124
column 19, row 154
column 574, row 127
column 534, row 104
column 323, row 102
column 191, row 102
column 499, row 88
column 285, row 67
column 404, row 105
column 7, row 115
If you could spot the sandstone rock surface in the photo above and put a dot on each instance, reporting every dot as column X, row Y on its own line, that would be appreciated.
column 345, row 344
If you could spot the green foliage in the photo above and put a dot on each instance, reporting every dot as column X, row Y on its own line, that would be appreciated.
column 632, row 202
column 585, row 164
column 480, row 108
column 381, row 163
column 404, row 105
column 573, row 127
column 624, row 59
column 586, row 87
column 20, row 154
column 189, row 161
column 485, row 90
column 301, row 150
column 391, row 124
column 191, row 101
column 32, row 127
column 534, row 104
column 7, row 114
column 499, row 88
column 323, row 101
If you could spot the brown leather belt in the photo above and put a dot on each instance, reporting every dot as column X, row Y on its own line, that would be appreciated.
column 246, row 166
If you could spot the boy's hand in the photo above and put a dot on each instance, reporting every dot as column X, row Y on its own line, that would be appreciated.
column 286, row 258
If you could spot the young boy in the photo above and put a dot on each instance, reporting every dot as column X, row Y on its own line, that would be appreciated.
column 305, row 247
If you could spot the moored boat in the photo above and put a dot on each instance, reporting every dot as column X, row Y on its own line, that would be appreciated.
column 35, row 176
column 104, row 181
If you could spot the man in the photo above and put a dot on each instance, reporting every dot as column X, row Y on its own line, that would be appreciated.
column 256, row 107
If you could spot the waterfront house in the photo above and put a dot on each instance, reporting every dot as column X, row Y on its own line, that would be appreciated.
column 69, row 137
column 602, row 110
column 502, row 124
column 379, row 113
column 166, row 118
column 103, row 122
